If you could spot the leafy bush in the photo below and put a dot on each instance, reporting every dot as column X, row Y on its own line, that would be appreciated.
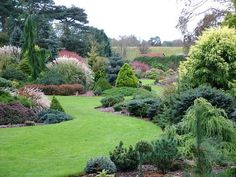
column 173, row 108
column 100, row 73
column 119, row 106
column 125, row 160
column 103, row 84
column 51, row 116
column 99, row 164
column 104, row 173
column 147, row 87
column 55, row 104
column 126, row 91
column 126, row 77
column 15, row 113
column 111, row 101
column 212, row 133
column 164, row 153
column 143, row 147
column 212, row 60
column 11, row 73
column 6, row 97
column 24, row 67
column 5, row 82
column 152, row 109
column 153, row 73
column 98, row 91
column 37, row 97
column 65, row 89
column 73, row 71
column 162, row 62
column 140, row 107
column 113, row 68
column 137, row 108
column 51, row 77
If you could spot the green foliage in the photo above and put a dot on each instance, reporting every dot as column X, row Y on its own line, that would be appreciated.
column 173, row 107
column 164, row 153
column 5, row 82
column 24, row 66
column 125, row 159
column 126, row 91
column 35, row 56
column 99, row 164
column 11, row 73
column 113, row 68
column 3, row 38
column 147, row 87
column 141, row 107
column 230, row 20
column 227, row 173
column 103, row 84
column 99, row 74
column 163, row 63
column 120, row 106
column 6, row 97
column 143, row 147
column 126, row 77
column 51, row 77
column 52, row 116
column 104, row 173
column 211, row 60
column 16, row 37
column 55, row 104
column 112, row 100
column 213, row 132
column 69, row 72
column 92, row 55
column 97, row 91
column 142, row 94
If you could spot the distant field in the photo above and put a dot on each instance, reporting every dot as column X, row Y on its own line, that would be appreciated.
column 133, row 52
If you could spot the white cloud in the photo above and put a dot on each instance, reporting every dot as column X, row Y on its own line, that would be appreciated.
column 143, row 18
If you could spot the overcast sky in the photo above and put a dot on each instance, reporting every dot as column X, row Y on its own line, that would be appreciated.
column 142, row 18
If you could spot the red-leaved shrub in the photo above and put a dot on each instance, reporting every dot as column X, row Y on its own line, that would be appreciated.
column 64, row 89
column 136, row 65
column 69, row 54
column 15, row 113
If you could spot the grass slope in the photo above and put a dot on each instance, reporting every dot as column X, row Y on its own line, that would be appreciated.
column 63, row 149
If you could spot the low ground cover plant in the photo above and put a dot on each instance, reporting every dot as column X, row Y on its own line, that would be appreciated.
column 51, row 116
column 112, row 100
column 124, row 159
column 15, row 113
column 99, row 164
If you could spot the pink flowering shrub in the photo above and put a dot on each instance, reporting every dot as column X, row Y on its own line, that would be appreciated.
column 10, row 51
column 136, row 65
column 69, row 54
column 37, row 97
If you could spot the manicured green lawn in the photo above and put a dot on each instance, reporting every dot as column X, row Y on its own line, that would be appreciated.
column 63, row 149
